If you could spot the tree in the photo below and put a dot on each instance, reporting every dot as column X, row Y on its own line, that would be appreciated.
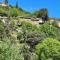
column 42, row 13
column 17, row 4
column 6, row 2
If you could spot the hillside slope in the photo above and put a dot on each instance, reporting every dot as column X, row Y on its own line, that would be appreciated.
column 13, row 11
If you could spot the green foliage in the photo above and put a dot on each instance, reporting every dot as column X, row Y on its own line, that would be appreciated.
column 29, row 35
column 35, row 37
column 1, row 29
column 9, row 51
column 1, row 26
column 48, row 49
column 12, row 25
column 20, row 37
column 3, row 11
column 49, row 30
column 35, row 34
column 41, row 12
column 13, row 11
column 27, row 54
column 29, row 27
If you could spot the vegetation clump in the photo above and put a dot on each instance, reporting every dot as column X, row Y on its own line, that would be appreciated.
column 48, row 49
column 22, row 40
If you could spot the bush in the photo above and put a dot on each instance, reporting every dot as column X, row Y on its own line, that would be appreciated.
column 29, row 27
column 9, row 51
column 20, row 37
column 49, row 30
column 13, row 12
column 3, row 11
column 1, row 29
column 48, row 49
column 33, row 38
column 1, row 25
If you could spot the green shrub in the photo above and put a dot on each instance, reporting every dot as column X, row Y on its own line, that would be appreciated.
column 48, row 49
column 1, row 25
column 49, row 30
column 3, row 11
column 9, row 51
column 13, row 12
column 1, row 29
column 29, row 27
column 20, row 37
